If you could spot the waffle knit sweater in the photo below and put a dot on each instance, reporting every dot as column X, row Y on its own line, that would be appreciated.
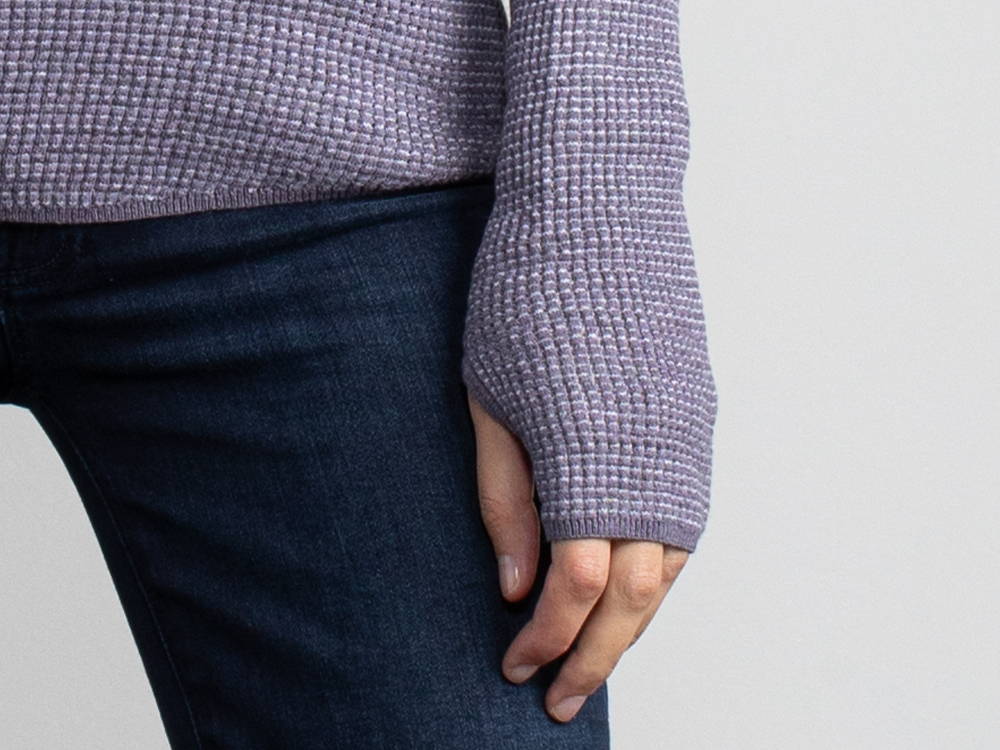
column 584, row 334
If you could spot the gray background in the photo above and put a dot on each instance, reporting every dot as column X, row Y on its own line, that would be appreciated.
column 842, row 195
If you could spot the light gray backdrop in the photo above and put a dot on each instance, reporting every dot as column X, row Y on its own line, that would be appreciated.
column 843, row 197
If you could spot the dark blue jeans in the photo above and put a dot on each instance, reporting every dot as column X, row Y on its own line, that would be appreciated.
column 263, row 413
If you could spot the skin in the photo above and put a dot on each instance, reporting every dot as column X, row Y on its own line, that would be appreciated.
column 599, row 594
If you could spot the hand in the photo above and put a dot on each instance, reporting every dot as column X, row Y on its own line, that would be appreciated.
column 599, row 594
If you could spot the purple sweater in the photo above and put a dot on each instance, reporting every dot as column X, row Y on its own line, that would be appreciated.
column 585, row 332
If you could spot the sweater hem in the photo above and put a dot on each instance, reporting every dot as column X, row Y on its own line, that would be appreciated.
column 186, row 203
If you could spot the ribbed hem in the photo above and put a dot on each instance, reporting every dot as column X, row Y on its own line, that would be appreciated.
column 666, row 531
column 222, row 200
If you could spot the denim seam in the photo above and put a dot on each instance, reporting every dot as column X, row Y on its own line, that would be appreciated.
column 40, row 402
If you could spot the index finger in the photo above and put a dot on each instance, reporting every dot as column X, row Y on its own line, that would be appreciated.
column 575, row 581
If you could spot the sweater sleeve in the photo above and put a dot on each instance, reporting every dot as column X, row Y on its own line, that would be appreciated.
column 585, row 333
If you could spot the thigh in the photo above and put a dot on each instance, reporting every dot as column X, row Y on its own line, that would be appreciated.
column 263, row 413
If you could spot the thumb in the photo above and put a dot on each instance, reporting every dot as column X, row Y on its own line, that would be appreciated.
column 506, row 489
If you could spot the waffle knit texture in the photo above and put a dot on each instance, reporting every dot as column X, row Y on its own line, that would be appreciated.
column 585, row 333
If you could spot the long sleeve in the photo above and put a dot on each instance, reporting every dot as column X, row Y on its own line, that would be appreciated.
column 585, row 333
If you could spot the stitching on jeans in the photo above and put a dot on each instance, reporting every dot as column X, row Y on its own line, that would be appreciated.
column 39, row 401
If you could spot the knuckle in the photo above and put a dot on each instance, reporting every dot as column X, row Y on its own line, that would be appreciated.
column 532, row 655
column 586, row 578
column 586, row 670
column 545, row 644
column 552, row 647
column 638, row 587
column 560, row 644
column 672, row 565
column 589, row 677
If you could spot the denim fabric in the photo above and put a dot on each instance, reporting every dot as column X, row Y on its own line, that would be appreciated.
column 263, row 413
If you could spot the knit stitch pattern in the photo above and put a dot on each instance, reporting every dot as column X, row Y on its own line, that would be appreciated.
column 585, row 333
column 115, row 110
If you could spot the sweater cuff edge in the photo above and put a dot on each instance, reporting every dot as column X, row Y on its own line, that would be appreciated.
column 665, row 531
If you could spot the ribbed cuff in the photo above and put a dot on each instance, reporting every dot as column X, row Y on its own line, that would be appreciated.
column 616, row 526
column 650, row 486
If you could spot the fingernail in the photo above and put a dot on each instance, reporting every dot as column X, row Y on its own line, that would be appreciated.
column 521, row 672
column 566, row 708
column 509, row 574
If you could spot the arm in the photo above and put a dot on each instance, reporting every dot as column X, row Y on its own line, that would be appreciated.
column 585, row 340
column 585, row 334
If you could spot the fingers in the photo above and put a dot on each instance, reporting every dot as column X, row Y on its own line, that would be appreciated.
column 599, row 594
column 505, row 499
column 634, row 582
column 674, row 559
column 576, row 578
column 598, row 597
